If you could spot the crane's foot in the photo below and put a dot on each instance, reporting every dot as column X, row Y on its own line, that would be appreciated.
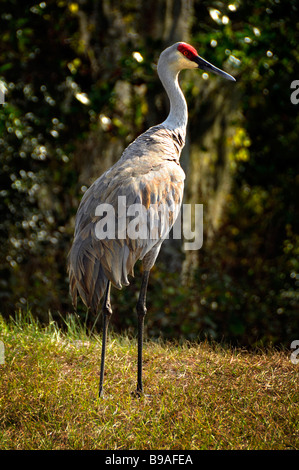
column 139, row 394
column 102, row 396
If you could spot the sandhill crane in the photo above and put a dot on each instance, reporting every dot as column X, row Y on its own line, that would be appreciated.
column 149, row 173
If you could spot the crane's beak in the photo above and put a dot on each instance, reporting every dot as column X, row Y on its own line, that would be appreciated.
column 205, row 65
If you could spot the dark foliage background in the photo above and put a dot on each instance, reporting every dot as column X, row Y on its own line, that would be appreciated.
column 77, row 93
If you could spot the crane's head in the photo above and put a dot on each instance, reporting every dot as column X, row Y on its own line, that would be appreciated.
column 183, row 56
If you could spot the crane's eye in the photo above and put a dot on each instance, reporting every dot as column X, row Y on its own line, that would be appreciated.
column 187, row 54
column 187, row 51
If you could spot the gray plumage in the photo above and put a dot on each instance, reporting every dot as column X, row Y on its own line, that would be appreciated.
column 148, row 172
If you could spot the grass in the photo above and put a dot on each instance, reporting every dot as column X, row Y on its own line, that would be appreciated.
column 202, row 396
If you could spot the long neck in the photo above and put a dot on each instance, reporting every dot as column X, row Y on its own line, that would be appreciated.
column 178, row 114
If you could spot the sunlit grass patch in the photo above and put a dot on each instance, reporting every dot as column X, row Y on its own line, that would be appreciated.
column 198, row 396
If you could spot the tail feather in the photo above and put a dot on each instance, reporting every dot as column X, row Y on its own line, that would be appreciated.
column 86, row 274
column 92, row 262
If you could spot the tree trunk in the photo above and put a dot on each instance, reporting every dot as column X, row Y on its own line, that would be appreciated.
column 210, row 172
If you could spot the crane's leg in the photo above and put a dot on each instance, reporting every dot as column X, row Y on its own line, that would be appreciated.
column 141, row 312
column 107, row 312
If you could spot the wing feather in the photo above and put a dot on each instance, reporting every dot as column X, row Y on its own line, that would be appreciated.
column 148, row 173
